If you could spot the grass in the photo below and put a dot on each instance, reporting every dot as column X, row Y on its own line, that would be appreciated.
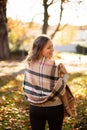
column 14, row 110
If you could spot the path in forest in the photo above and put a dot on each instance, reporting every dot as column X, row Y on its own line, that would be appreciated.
column 14, row 67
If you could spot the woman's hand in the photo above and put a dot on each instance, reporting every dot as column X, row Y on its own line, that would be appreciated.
column 62, row 70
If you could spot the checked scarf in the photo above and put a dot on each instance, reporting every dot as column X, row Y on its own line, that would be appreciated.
column 42, row 83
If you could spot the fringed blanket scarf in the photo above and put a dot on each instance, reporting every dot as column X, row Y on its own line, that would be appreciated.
column 41, row 82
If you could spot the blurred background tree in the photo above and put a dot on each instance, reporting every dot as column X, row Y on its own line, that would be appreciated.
column 4, row 48
column 19, row 35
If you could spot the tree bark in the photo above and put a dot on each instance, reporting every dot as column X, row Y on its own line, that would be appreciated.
column 4, row 48
column 45, row 21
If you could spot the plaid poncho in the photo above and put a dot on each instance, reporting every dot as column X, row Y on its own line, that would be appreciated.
column 42, row 83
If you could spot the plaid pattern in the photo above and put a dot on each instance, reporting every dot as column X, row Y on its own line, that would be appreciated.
column 41, row 82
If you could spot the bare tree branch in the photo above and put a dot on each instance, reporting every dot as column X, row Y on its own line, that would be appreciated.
column 61, row 10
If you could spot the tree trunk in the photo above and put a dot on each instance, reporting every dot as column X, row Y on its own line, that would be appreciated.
column 46, row 16
column 4, row 48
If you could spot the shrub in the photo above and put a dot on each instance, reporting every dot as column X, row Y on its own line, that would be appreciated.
column 81, row 49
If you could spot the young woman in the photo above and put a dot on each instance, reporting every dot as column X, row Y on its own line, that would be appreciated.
column 42, row 86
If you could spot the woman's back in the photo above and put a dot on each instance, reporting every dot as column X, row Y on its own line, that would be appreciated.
column 40, row 80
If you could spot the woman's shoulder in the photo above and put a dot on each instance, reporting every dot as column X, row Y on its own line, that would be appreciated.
column 51, row 62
